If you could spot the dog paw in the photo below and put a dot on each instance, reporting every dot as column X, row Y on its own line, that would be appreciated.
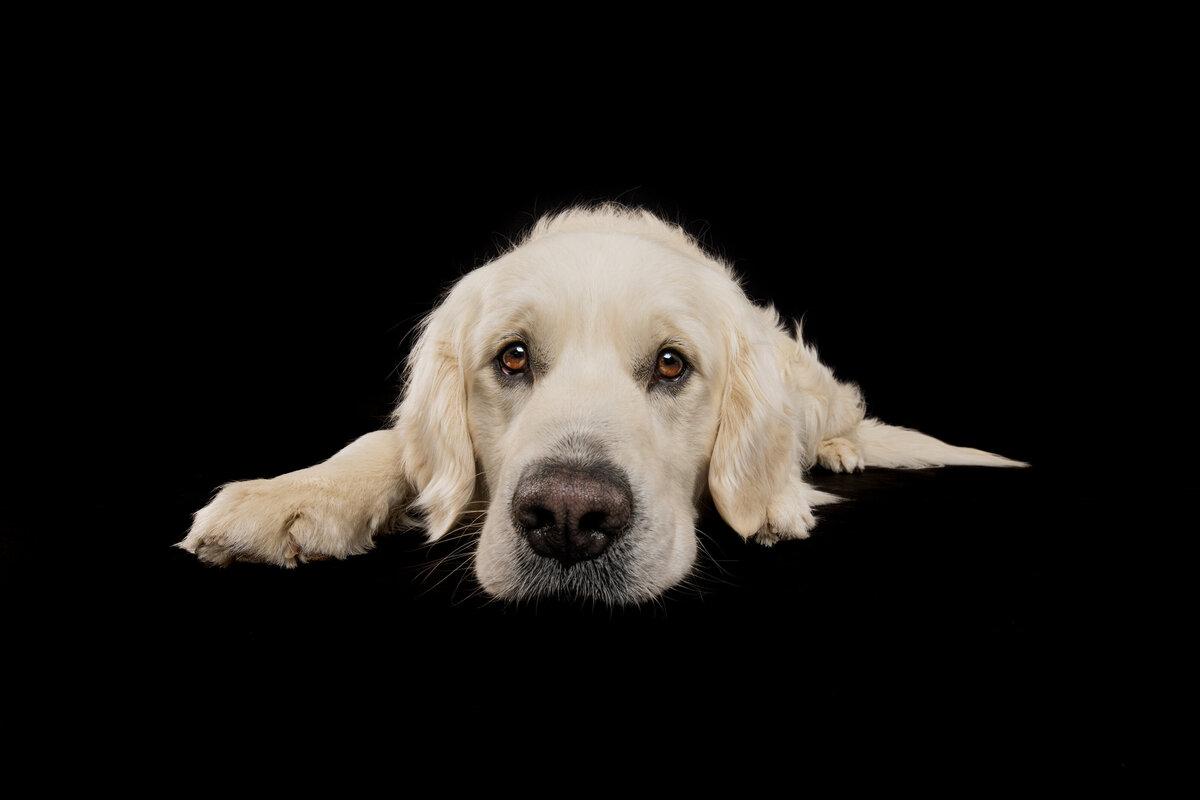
column 791, row 516
column 792, row 519
column 284, row 521
column 840, row 455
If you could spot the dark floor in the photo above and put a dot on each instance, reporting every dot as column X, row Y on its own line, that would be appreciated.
column 956, row 597
column 971, row 614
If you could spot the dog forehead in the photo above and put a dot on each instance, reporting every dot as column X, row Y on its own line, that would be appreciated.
column 579, row 275
column 591, row 261
column 598, row 290
column 608, row 292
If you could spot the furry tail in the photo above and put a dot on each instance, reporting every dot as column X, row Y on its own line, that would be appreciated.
column 902, row 448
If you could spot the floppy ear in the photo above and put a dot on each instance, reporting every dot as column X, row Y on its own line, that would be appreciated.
column 439, row 459
column 779, row 402
column 755, row 457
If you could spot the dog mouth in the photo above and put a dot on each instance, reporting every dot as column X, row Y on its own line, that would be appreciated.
column 573, row 528
column 606, row 578
column 575, row 522
column 632, row 568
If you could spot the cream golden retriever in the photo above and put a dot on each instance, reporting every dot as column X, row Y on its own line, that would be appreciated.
column 584, row 391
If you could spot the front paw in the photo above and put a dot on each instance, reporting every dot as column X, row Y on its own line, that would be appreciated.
column 284, row 521
column 248, row 521
column 791, row 515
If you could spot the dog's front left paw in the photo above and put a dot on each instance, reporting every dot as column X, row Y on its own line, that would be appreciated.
column 791, row 518
column 791, row 515
column 841, row 455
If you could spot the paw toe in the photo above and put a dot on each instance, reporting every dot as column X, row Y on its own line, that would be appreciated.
column 840, row 455
column 214, row 553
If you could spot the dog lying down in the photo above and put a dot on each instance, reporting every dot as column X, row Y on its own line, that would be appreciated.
column 576, row 399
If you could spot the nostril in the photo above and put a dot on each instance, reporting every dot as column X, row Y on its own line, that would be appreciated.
column 586, row 545
column 533, row 516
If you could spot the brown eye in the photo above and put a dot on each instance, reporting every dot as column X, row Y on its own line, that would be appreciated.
column 514, row 359
column 670, row 366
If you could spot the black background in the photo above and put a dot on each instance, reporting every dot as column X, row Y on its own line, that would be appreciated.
column 263, row 251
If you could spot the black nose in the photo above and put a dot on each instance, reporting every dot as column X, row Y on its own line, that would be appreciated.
column 572, row 513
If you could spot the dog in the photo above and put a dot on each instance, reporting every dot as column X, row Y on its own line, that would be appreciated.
column 579, row 398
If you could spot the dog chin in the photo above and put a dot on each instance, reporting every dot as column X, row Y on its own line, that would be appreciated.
column 639, row 567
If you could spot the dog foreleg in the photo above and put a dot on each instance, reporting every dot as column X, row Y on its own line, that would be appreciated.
column 332, row 509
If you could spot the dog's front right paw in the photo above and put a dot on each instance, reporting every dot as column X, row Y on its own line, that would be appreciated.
column 247, row 521
column 285, row 521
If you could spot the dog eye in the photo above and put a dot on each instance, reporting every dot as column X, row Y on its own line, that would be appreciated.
column 514, row 359
column 670, row 367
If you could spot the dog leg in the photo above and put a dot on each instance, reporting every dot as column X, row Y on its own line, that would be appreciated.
column 332, row 509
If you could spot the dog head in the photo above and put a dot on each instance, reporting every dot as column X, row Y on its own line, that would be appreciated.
column 590, row 386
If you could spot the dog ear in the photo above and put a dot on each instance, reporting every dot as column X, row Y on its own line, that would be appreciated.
column 779, row 401
column 439, row 458
column 755, row 454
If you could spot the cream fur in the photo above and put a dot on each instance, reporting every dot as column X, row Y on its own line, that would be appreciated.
column 595, row 293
